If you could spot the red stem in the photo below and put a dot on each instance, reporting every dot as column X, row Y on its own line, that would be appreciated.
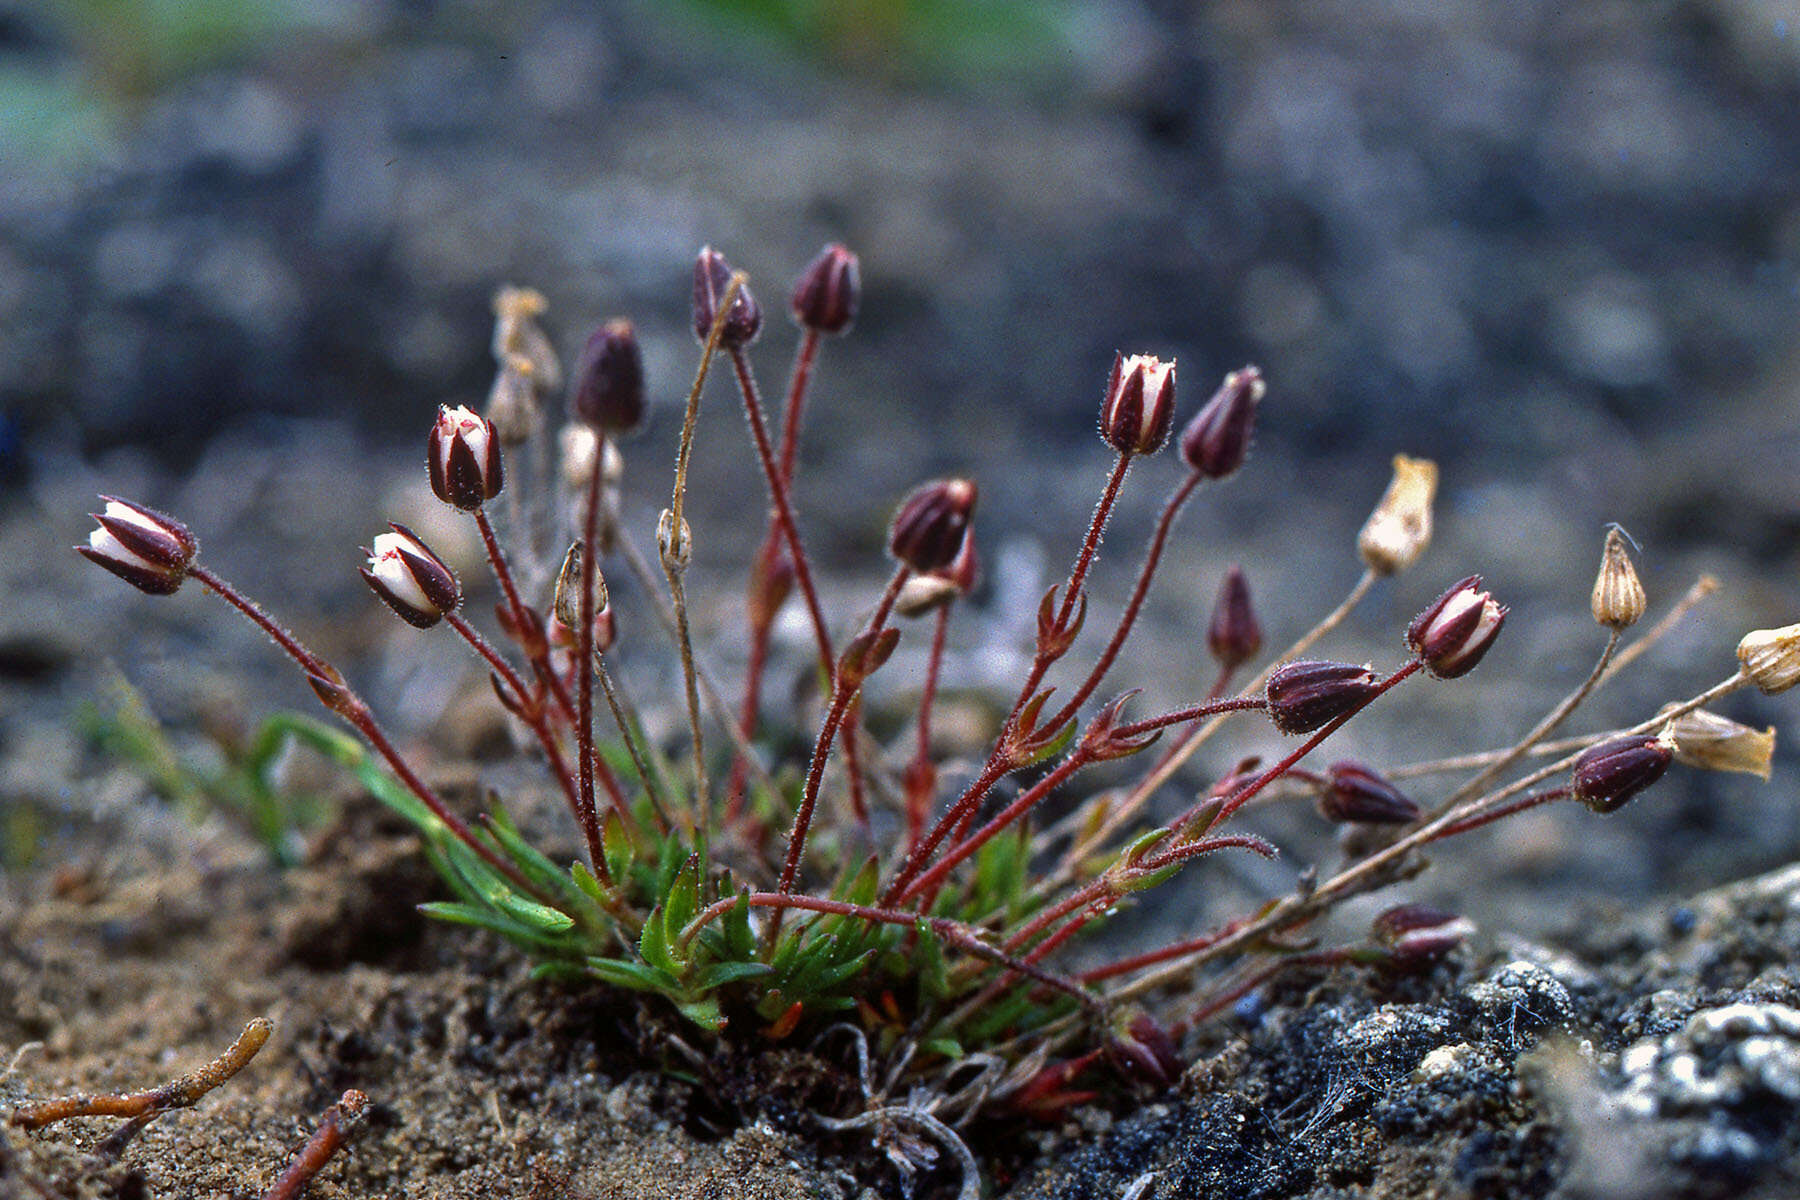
column 1242, row 796
column 915, row 805
column 759, row 631
column 790, row 528
column 1151, row 559
column 350, row 706
column 1517, row 804
column 840, row 704
column 962, row 813
column 532, row 713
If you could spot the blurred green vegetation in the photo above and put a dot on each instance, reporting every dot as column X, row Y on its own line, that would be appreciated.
column 239, row 777
column 974, row 44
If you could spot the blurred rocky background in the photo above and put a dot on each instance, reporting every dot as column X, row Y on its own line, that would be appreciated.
column 245, row 248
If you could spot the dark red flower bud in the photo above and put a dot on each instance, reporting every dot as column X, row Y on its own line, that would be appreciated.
column 410, row 579
column 1303, row 696
column 1142, row 1048
column 1234, row 636
column 1216, row 442
column 1354, row 793
column 609, row 379
column 149, row 550
column 463, row 458
column 1456, row 630
column 1609, row 774
column 1140, row 404
column 1416, row 935
column 712, row 277
column 929, row 529
column 826, row 295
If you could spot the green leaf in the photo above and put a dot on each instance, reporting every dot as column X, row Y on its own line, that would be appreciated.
column 720, row 974
column 683, row 900
column 486, row 918
column 635, row 976
column 946, row 1047
column 704, row 1013
column 1041, row 750
column 929, row 970
column 540, row 916
column 654, row 946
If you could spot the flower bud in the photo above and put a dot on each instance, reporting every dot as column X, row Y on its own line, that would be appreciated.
column 1714, row 743
column 609, row 380
column 1399, row 529
column 463, row 458
column 712, row 278
column 1453, row 633
column 1141, row 1047
column 1612, row 772
column 771, row 582
column 1304, row 695
column 1234, row 635
column 1216, row 442
column 1618, row 599
column 410, row 579
column 826, row 295
column 1771, row 658
column 1139, row 405
column 929, row 529
column 1416, row 935
column 1354, row 793
column 147, row 549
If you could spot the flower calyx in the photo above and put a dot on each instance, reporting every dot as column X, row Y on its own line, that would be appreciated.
column 151, row 551
column 1453, row 633
column 410, row 579
column 1139, row 407
column 463, row 458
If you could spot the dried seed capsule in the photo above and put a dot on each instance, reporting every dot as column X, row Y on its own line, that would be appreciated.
column 1416, row 935
column 1355, row 793
column 512, row 406
column 1140, row 404
column 1771, row 658
column 826, row 296
column 463, row 458
column 1618, row 599
column 929, row 529
column 1304, row 695
column 516, row 332
column 712, row 277
column 410, row 579
column 609, row 380
column 1714, row 743
column 1216, row 442
column 1612, row 772
column 149, row 550
column 567, row 601
column 1234, row 635
column 1399, row 529
column 1453, row 633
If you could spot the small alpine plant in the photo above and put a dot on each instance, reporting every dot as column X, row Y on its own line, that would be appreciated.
column 933, row 907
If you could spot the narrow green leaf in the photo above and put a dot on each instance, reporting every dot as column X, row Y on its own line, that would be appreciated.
column 635, row 976
column 720, row 974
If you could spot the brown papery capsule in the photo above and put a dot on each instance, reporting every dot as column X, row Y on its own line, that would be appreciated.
column 1399, row 529
column 1771, row 658
column 1618, row 599
column 1714, row 743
